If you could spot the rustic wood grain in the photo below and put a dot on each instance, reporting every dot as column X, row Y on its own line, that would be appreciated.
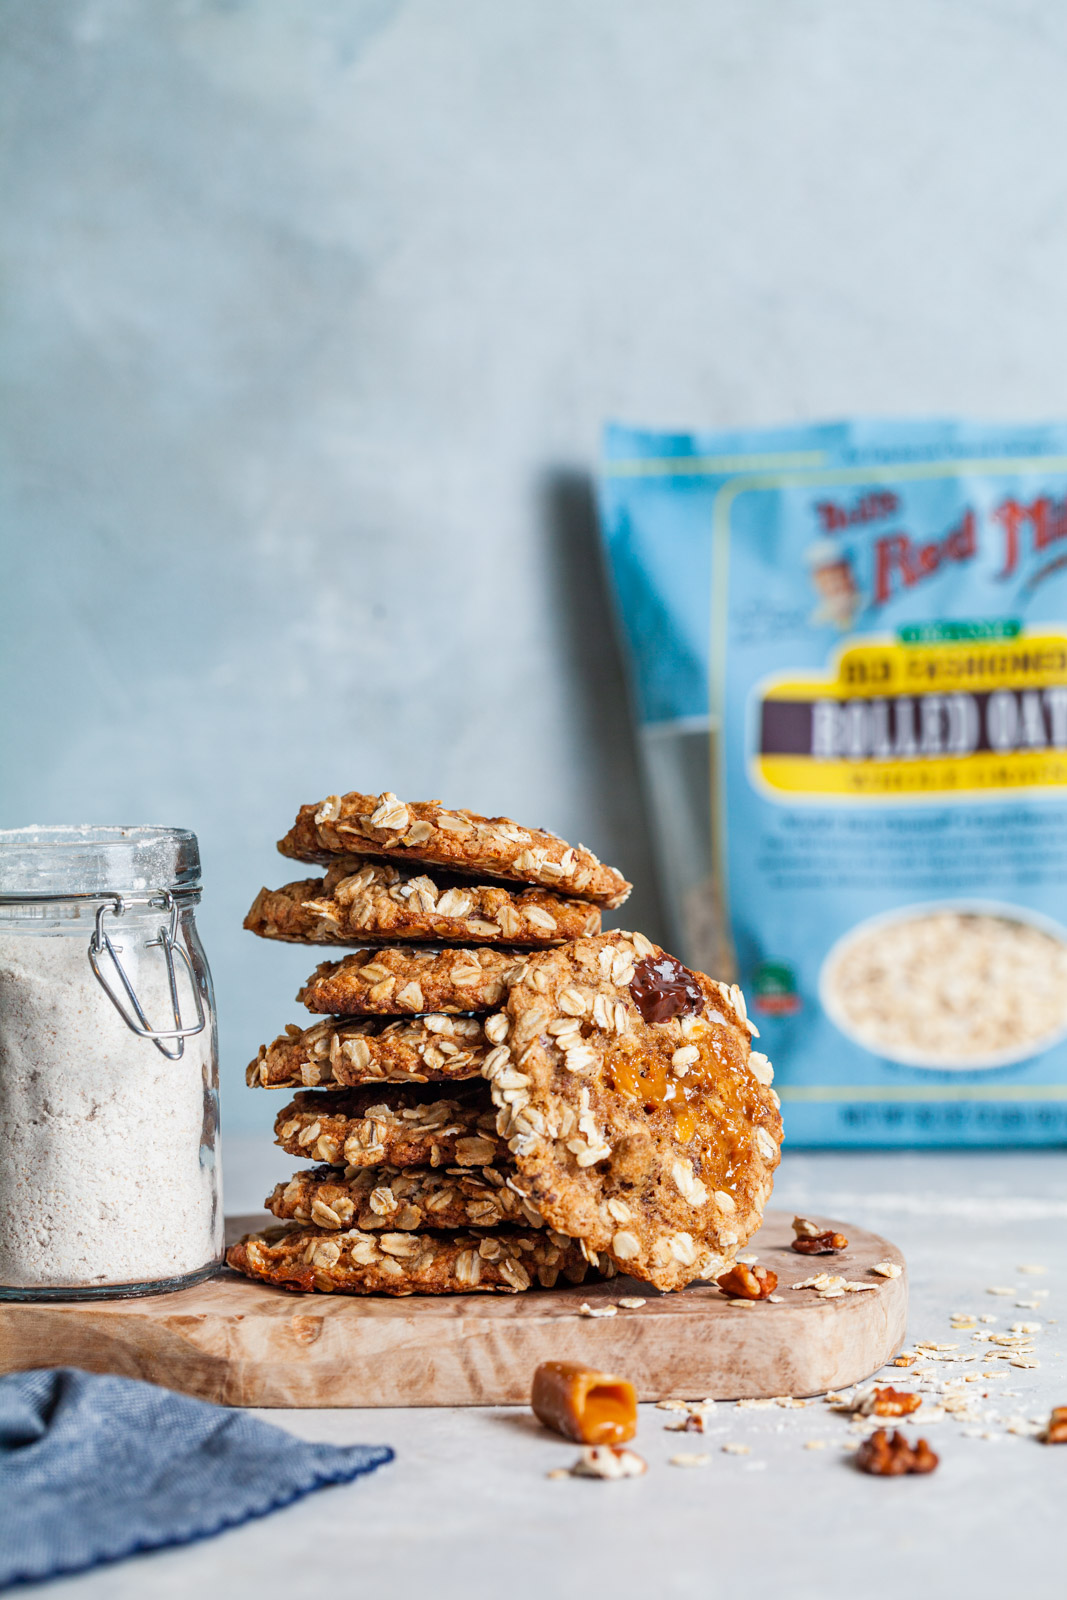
column 245, row 1344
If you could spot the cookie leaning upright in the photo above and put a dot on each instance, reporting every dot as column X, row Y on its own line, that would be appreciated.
column 639, row 1118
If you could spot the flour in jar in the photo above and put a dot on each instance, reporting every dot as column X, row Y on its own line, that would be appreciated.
column 105, row 1145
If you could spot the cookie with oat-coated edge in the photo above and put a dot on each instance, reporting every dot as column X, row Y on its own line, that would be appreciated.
column 361, row 901
column 639, row 1119
column 425, row 830
column 390, row 1126
column 399, row 981
column 343, row 1052
column 402, row 1198
column 353, row 1262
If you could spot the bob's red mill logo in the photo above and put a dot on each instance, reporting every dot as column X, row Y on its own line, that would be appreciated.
column 1024, row 532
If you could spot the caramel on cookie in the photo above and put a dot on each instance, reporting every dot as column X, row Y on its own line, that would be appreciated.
column 398, row 981
column 637, row 1115
column 391, row 1126
column 354, row 1262
column 360, row 901
column 343, row 1052
column 382, row 825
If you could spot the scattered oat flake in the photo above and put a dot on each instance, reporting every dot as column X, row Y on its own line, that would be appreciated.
column 887, row 1269
column 755, row 1405
column 1028, row 1305
column 748, row 1258
column 1034, row 1268
column 609, row 1462
column 631, row 1302
column 586, row 1310
column 816, row 1444
column 689, row 1459
column 996, row 1289
column 746, row 1305
column 775, row 1300
column 559, row 1472
column 736, row 1450
column 672, row 1405
column 1025, row 1327
column 987, row 1316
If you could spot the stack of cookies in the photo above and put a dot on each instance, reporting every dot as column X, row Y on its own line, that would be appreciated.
column 497, row 1094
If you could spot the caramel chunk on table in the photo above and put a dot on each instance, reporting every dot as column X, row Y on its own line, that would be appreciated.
column 590, row 1407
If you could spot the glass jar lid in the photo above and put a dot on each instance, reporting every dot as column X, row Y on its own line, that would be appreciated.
column 87, row 860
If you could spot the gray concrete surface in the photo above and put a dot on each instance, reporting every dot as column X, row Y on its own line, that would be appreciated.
column 311, row 317
column 466, row 1508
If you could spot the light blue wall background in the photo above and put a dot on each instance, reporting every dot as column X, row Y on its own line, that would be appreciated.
column 311, row 314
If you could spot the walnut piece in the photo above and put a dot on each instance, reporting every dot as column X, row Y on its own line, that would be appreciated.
column 889, row 1402
column 886, row 1455
column 748, row 1283
column 818, row 1244
column 1056, row 1432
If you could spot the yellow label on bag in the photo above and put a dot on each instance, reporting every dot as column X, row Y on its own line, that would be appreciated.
column 908, row 716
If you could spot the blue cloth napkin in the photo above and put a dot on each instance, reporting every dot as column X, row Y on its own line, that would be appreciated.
column 95, row 1468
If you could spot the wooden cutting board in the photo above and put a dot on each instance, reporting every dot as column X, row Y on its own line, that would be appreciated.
column 243, row 1344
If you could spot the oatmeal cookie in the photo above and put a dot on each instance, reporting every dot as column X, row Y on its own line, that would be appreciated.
column 406, row 1263
column 425, row 830
column 397, row 981
column 361, row 901
column 389, row 1126
column 402, row 1199
column 638, row 1118
column 342, row 1052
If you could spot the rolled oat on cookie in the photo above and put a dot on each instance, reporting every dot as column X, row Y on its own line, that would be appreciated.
column 638, row 1117
column 391, row 1126
column 403, row 1198
column 361, row 901
column 400, row 980
column 344, row 1052
column 427, row 831
column 352, row 1262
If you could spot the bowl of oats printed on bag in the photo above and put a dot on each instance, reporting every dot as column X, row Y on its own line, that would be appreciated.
column 955, row 985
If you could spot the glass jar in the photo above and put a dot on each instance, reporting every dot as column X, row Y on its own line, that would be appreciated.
column 109, row 1173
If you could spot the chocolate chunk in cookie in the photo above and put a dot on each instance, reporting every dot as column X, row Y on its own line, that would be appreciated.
column 402, row 1199
column 343, row 1052
column 360, row 901
column 353, row 1262
column 382, row 825
column 391, row 1126
column 653, row 1141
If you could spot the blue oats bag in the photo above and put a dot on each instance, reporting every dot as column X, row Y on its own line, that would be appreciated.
column 848, row 657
